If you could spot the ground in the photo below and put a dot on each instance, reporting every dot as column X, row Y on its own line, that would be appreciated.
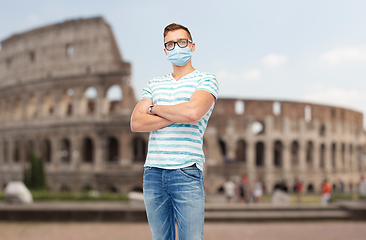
column 213, row 231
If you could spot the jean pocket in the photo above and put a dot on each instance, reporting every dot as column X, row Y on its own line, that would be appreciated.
column 191, row 172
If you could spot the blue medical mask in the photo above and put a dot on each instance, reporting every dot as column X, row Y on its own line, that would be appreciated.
column 179, row 56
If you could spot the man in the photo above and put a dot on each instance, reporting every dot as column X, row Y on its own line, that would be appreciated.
column 175, row 109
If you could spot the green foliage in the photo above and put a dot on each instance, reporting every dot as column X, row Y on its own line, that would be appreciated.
column 34, row 176
column 43, row 195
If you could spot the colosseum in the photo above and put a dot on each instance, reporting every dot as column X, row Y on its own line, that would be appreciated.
column 66, row 95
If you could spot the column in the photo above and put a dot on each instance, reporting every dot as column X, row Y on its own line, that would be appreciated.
column 55, row 148
column 76, row 151
column 76, row 102
column 302, row 159
column 100, row 101
column 339, row 164
column 125, row 148
column 250, row 163
column 38, row 103
column 286, row 158
column 100, row 146
column 58, row 103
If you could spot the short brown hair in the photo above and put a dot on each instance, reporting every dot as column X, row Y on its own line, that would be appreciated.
column 173, row 27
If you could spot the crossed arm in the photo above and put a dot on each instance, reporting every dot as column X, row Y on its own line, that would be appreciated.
column 187, row 112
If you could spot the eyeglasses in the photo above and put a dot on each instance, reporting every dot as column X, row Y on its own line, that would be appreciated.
column 182, row 43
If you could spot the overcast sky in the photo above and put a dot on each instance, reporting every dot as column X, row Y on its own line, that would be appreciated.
column 284, row 50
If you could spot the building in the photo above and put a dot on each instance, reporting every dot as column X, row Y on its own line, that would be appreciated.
column 55, row 100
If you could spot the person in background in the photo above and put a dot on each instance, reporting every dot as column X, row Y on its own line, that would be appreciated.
column 362, row 187
column 298, row 190
column 257, row 191
column 229, row 189
column 244, row 190
column 326, row 190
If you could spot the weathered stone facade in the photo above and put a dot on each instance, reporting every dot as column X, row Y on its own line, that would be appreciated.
column 54, row 87
column 86, row 142
column 275, row 141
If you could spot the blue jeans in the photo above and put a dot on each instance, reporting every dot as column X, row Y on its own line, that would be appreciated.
column 174, row 193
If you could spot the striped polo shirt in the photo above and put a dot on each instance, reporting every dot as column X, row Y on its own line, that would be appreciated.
column 178, row 145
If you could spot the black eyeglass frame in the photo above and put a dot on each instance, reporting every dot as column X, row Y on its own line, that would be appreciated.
column 188, row 41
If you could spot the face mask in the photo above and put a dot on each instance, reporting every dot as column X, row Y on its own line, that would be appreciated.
column 179, row 56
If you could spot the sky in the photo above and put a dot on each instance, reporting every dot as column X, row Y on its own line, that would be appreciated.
column 309, row 50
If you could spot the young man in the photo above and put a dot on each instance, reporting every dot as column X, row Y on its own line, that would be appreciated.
column 175, row 109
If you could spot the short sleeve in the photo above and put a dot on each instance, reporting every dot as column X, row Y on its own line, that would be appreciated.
column 146, row 92
column 209, row 84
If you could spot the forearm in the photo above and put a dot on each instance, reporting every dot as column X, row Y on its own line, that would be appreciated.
column 180, row 113
column 148, row 123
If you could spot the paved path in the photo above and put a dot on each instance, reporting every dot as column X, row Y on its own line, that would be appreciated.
column 213, row 231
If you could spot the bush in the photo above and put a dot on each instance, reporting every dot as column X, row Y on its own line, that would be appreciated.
column 43, row 195
column 34, row 176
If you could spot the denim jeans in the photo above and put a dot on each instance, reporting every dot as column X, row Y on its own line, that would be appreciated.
column 174, row 193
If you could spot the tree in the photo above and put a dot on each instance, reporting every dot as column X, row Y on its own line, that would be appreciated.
column 34, row 176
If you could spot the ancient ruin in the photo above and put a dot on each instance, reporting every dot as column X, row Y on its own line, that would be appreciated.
column 56, row 85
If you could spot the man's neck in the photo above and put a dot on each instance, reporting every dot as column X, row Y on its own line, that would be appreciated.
column 179, row 72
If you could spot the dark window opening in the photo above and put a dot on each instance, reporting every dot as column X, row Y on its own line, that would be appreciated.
column 139, row 149
column 277, row 154
column 88, row 150
column 112, row 149
column 322, row 157
column 65, row 151
column 259, row 154
column 241, row 148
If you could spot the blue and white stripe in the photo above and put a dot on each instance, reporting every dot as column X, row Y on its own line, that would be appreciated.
column 178, row 145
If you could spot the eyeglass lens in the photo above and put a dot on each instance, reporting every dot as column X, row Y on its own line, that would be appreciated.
column 181, row 43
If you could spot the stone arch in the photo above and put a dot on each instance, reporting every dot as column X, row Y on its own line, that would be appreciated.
column 65, row 188
column 113, row 149
column 16, row 153
column 295, row 153
column 67, row 102
column 111, row 189
column 46, row 150
column 259, row 154
column 223, row 150
column 139, row 149
column 137, row 189
column 65, row 151
column 239, row 107
column 88, row 150
column 89, row 100
column 322, row 130
column 114, row 98
column 309, row 153
column 278, row 153
column 258, row 128
column 308, row 113
column 310, row 188
column 322, row 156
column 87, row 188
column 241, row 149
column 48, row 104
column 276, row 108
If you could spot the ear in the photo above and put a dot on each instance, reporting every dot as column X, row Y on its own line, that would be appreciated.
column 193, row 47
